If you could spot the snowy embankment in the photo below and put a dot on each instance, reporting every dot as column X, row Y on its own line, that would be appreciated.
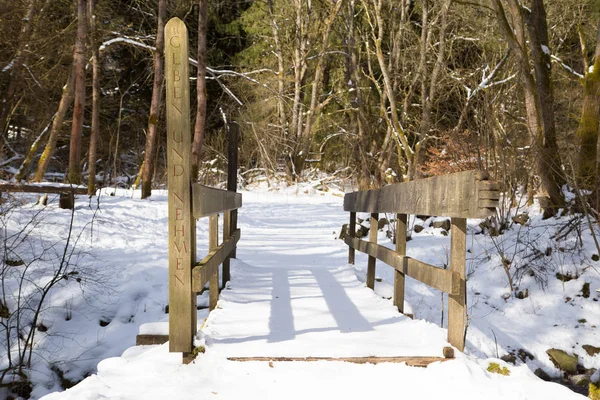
column 292, row 294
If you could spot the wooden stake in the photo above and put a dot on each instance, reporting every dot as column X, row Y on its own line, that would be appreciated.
column 213, row 243
column 372, row 260
column 229, row 216
column 226, row 235
column 351, row 232
column 401, row 250
column 182, row 301
column 232, row 169
column 457, row 310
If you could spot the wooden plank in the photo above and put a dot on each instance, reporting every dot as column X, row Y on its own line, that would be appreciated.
column 209, row 201
column 437, row 278
column 352, row 233
column 30, row 188
column 213, row 244
column 209, row 264
column 463, row 195
column 457, row 309
column 146, row 340
column 182, row 304
column 410, row 361
column 371, row 263
column 399, row 279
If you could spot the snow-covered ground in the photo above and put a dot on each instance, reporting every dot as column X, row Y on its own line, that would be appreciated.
column 293, row 294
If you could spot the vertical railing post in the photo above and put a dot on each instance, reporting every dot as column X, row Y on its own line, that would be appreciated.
column 372, row 260
column 213, row 243
column 232, row 174
column 457, row 303
column 351, row 233
column 182, row 299
column 230, row 217
column 226, row 235
column 401, row 220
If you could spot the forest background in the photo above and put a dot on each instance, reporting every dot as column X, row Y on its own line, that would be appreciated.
column 373, row 90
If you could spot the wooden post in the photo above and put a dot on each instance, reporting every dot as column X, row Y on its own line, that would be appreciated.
column 226, row 235
column 232, row 170
column 400, row 249
column 229, row 216
column 372, row 260
column 213, row 243
column 182, row 300
column 457, row 310
column 351, row 233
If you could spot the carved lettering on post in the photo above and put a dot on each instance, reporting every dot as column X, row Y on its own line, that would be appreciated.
column 182, row 300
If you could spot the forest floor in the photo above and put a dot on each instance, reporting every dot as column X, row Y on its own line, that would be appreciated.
column 293, row 294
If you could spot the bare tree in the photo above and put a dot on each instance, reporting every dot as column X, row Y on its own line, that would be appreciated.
column 200, row 89
column 589, row 124
column 79, row 57
column 539, row 113
column 95, row 101
column 157, row 87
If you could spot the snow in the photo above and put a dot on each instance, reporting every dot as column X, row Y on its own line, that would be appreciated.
column 293, row 294
column 545, row 49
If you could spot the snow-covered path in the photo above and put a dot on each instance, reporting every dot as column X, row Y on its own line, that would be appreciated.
column 293, row 294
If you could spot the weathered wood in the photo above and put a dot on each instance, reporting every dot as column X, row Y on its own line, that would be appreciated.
column 226, row 235
column 31, row 188
column 374, row 222
column 209, row 201
column 147, row 340
column 467, row 194
column 410, row 361
column 209, row 264
column 438, row 278
column 401, row 220
column 457, row 310
column 232, row 170
column 352, row 233
column 182, row 304
column 234, row 136
column 213, row 244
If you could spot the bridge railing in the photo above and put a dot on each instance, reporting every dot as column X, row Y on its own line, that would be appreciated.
column 462, row 195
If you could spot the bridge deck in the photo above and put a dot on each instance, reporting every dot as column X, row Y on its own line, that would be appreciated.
column 293, row 295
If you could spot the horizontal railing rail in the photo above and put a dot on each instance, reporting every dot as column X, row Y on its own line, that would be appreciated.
column 207, row 201
column 469, row 194
column 205, row 269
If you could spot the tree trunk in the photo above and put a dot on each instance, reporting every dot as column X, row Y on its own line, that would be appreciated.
column 551, row 167
column 79, row 57
column 157, row 87
column 63, row 106
column 590, row 123
column 356, row 102
column 531, row 90
column 280, row 70
column 95, row 101
column 200, row 90
column 6, row 102
column 316, row 86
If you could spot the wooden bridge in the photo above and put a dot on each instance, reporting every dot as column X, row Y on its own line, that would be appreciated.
column 318, row 295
